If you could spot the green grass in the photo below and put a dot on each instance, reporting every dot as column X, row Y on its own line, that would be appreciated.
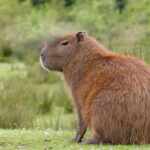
column 51, row 140
column 35, row 100
column 8, row 70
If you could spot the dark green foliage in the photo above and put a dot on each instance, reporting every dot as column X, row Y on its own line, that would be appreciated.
column 68, row 3
column 120, row 5
column 45, row 106
column 7, row 51
column 38, row 2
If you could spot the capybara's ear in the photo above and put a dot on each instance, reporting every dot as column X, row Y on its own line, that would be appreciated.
column 81, row 36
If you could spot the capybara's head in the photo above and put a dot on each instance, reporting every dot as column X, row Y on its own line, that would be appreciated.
column 55, row 55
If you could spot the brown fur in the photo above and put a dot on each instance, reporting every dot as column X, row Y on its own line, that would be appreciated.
column 111, row 91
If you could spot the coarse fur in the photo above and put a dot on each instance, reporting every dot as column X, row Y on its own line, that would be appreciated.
column 111, row 91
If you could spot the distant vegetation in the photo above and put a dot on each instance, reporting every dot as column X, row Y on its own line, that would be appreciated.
column 30, row 97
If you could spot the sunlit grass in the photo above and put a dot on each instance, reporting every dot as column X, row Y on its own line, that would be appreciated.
column 51, row 140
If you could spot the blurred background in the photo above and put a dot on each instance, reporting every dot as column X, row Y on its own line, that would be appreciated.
column 33, row 98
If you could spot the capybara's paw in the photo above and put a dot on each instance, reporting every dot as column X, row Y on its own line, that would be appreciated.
column 77, row 139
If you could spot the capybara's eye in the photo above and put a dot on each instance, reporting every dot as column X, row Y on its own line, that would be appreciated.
column 64, row 42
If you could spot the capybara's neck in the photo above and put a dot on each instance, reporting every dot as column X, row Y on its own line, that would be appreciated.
column 83, row 62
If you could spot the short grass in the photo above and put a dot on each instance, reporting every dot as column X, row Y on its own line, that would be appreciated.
column 51, row 140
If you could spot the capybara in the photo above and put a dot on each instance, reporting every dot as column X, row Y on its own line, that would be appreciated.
column 111, row 91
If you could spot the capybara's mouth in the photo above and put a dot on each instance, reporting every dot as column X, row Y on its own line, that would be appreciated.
column 43, row 65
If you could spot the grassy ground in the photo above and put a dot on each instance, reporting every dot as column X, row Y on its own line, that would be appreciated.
column 50, row 140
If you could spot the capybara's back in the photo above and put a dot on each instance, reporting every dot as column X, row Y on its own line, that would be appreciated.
column 121, row 107
column 111, row 92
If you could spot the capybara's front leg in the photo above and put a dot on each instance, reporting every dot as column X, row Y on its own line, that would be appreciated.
column 81, row 129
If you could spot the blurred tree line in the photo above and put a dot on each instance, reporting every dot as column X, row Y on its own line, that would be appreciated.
column 120, row 4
